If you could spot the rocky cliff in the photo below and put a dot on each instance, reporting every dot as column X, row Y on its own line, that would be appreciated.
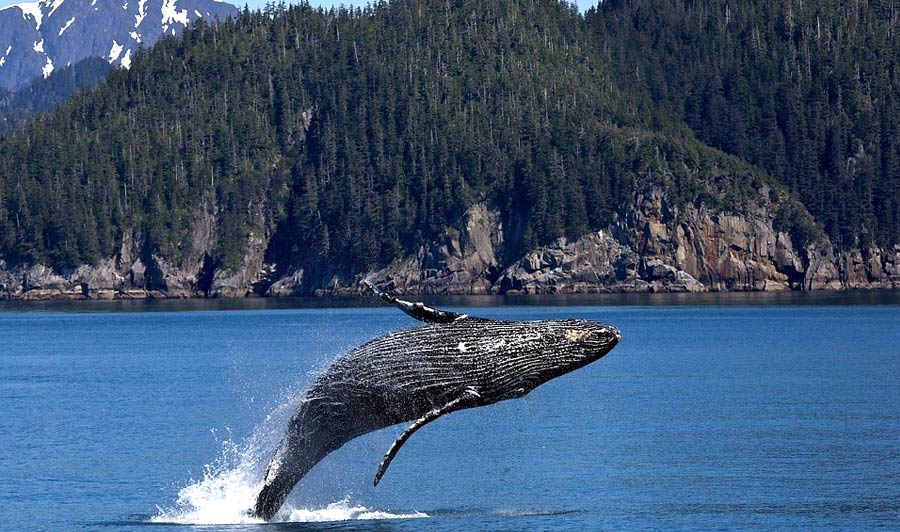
column 652, row 246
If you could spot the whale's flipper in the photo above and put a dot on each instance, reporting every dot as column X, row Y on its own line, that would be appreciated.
column 468, row 399
column 418, row 310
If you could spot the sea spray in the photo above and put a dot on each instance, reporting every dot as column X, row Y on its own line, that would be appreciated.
column 229, row 486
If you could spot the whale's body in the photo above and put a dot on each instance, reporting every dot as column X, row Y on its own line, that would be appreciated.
column 419, row 374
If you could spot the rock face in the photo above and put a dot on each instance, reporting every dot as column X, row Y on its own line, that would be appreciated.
column 651, row 246
column 462, row 261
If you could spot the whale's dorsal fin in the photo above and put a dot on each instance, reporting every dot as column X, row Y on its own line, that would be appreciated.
column 417, row 309
column 468, row 399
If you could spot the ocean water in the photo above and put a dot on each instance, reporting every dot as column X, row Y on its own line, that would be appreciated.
column 712, row 413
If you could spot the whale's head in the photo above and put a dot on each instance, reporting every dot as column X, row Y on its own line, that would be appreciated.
column 548, row 349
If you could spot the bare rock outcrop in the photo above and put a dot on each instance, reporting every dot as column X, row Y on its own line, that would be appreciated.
column 240, row 282
column 652, row 245
column 463, row 260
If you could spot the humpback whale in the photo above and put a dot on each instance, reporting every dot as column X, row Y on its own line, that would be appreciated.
column 453, row 362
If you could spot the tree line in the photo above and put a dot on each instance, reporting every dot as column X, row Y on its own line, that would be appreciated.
column 349, row 137
column 805, row 90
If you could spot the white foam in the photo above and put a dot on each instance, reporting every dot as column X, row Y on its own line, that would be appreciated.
column 342, row 511
column 223, row 512
column 226, row 497
column 229, row 486
column 219, row 499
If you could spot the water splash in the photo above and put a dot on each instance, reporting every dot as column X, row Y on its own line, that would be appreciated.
column 229, row 487
column 343, row 511
column 221, row 498
column 220, row 501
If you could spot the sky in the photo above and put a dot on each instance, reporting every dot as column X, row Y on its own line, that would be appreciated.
column 583, row 5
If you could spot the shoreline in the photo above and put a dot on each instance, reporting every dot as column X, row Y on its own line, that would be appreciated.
column 49, row 295
column 867, row 296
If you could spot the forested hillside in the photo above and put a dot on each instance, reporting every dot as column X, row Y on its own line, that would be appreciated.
column 346, row 140
column 371, row 129
column 809, row 91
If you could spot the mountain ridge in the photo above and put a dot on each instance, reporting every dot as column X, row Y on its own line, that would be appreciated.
column 38, row 37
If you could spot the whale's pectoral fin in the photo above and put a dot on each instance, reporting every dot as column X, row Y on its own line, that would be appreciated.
column 417, row 309
column 469, row 399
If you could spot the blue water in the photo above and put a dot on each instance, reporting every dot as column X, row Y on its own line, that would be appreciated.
column 704, row 417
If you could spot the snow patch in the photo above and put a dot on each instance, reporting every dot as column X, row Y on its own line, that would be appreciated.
column 69, row 23
column 115, row 51
column 3, row 59
column 48, row 68
column 125, row 7
column 170, row 13
column 39, row 46
column 142, row 12
column 30, row 8
column 134, row 35
column 197, row 13
column 126, row 59
column 54, row 6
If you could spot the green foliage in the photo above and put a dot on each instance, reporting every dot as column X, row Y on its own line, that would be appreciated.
column 805, row 90
column 795, row 221
column 356, row 134
column 350, row 137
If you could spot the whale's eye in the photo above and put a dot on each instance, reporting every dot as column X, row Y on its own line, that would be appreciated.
column 576, row 335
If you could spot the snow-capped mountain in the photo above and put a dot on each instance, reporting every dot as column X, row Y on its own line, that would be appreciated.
column 37, row 37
